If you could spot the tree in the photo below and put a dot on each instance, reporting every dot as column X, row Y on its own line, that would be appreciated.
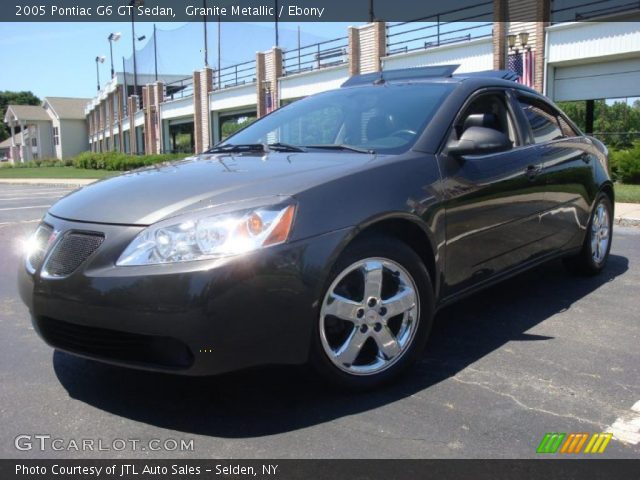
column 231, row 126
column 617, row 124
column 13, row 98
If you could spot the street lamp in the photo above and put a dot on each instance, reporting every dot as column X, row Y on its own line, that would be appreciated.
column 113, row 37
column 134, row 4
column 99, row 59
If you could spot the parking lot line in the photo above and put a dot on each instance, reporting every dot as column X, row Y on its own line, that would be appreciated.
column 24, row 208
column 5, row 224
column 626, row 429
column 39, row 193
column 9, row 199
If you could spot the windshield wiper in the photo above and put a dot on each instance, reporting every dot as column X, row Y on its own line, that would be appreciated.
column 228, row 148
column 285, row 147
column 342, row 146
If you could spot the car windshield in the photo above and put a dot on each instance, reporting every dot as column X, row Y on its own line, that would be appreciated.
column 384, row 119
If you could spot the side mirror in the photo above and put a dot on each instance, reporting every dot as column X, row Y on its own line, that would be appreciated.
column 479, row 141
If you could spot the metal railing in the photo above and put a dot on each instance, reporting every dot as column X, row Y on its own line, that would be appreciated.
column 440, row 29
column 179, row 89
column 590, row 9
column 316, row 56
column 234, row 75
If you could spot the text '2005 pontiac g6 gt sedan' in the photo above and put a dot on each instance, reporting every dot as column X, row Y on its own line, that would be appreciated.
column 329, row 231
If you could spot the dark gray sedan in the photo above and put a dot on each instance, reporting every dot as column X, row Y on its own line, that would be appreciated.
column 329, row 231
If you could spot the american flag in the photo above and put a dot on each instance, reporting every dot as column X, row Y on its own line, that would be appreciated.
column 268, row 101
column 521, row 64
column 515, row 64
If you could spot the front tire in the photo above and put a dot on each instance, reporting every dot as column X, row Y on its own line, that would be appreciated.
column 375, row 315
column 597, row 242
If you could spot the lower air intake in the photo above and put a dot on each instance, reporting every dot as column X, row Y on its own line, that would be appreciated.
column 73, row 249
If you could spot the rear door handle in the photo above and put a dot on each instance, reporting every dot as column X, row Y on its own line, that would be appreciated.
column 532, row 171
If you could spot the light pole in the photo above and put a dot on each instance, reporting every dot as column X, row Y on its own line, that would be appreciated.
column 99, row 59
column 276, row 21
column 113, row 37
column 204, row 22
column 134, row 4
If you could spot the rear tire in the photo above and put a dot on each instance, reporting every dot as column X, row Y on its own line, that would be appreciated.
column 375, row 316
column 597, row 241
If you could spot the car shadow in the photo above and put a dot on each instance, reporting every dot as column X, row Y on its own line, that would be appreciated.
column 274, row 400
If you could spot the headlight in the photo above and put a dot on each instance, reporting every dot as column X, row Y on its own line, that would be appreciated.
column 202, row 236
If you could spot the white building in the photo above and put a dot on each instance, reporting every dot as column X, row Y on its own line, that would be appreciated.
column 56, row 129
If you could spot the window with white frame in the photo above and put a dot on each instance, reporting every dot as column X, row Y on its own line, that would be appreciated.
column 56, row 136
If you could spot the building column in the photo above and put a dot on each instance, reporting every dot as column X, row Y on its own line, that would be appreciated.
column 39, row 142
column 158, row 96
column 120, row 116
column 543, row 17
column 354, row 51
column 499, row 34
column 268, row 72
column 111, row 120
column 26, row 151
column 14, row 151
column 202, row 86
column 380, row 29
column 94, row 128
column 273, row 72
column 260, row 85
column 147, row 108
column 367, row 48
column 89, row 132
column 132, row 108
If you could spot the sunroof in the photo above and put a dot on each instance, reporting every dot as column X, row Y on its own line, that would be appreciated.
column 403, row 74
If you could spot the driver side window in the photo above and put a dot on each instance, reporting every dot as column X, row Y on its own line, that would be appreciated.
column 489, row 111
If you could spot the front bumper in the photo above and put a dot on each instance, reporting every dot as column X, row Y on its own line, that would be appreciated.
column 195, row 318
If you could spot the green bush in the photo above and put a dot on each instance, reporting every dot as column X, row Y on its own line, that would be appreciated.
column 113, row 161
column 39, row 163
column 116, row 161
column 625, row 164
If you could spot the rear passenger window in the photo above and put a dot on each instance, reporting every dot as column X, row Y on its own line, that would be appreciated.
column 543, row 121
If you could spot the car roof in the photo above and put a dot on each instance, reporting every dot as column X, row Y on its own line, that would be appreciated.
column 439, row 74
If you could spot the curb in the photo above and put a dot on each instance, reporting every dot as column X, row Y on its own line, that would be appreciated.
column 627, row 222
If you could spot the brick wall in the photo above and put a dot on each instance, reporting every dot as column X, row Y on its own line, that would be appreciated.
column 354, row 51
column 499, row 34
column 260, row 84
column 132, row 108
column 202, row 86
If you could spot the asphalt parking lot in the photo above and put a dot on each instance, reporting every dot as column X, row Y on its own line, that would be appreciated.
column 544, row 352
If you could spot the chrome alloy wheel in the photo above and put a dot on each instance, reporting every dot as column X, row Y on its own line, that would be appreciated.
column 369, row 316
column 600, row 227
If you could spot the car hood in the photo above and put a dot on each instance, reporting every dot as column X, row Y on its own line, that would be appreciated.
column 145, row 196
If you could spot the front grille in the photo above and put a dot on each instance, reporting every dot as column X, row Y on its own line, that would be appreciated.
column 116, row 345
column 39, row 245
column 69, row 253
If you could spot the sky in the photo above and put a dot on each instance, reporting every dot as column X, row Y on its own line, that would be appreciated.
column 58, row 59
